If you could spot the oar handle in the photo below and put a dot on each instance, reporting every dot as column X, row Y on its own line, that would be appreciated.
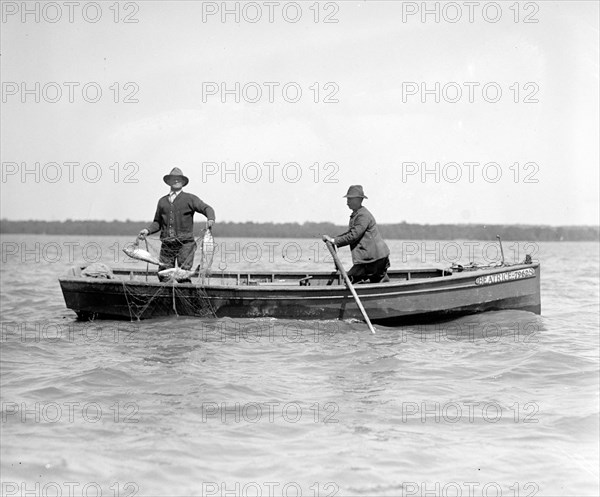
column 341, row 269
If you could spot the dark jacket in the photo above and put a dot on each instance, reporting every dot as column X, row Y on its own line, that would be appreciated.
column 363, row 237
column 176, row 220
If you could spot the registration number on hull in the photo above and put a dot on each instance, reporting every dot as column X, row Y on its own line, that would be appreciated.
column 502, row 277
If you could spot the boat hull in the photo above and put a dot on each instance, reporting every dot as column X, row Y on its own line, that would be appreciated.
column 437, row 296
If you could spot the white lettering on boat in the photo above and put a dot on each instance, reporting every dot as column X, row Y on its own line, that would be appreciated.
column 502, row 277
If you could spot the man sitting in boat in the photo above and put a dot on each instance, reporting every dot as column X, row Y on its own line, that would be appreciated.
column 370, row 254
column 174, row 219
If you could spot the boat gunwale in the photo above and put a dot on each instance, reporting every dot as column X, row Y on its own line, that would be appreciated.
column 361, row 288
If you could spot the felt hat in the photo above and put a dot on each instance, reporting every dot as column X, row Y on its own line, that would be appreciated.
column 356, row 191
column 175, row 173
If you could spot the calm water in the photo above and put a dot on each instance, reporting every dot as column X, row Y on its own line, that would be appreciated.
column 502, row 403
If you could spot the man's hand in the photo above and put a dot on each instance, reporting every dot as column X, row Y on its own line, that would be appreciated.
column 327, row 238
column 210, row 223
column 143, row 234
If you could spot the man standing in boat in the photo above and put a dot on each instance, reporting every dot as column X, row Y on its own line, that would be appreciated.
column 174, row 219
column 370, row 254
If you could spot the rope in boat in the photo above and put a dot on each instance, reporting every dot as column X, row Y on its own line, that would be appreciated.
column 147, row 263
column 173, row 295
column 127, row 300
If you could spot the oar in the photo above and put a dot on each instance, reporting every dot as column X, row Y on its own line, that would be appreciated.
column 348, row 283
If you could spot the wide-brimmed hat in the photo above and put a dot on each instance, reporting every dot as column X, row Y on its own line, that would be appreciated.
column 356, row 191
column 175, row 173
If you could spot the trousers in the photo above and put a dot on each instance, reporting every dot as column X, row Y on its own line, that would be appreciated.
column 180, row 251
column 373, row 272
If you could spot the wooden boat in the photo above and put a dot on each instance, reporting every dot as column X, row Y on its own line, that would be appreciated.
column 411, row 295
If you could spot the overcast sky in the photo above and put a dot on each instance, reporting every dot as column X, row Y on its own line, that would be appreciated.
column 538, row 157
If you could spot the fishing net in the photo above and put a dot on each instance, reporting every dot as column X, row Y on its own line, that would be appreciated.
column 170, row 297
column 146, row 302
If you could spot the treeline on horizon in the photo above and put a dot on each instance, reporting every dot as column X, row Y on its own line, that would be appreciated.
column 398, row 231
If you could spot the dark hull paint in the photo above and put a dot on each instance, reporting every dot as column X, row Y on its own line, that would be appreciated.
column 398, row 302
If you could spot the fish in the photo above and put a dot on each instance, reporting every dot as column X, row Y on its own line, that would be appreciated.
column 136, row 252
column 176, row 273
column 207, row 251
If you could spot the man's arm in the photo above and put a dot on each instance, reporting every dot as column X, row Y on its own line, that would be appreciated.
column 354, row 234
column 205, row 209
column 155, row 226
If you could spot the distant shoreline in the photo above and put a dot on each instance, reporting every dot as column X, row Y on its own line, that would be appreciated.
column 398, row 231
